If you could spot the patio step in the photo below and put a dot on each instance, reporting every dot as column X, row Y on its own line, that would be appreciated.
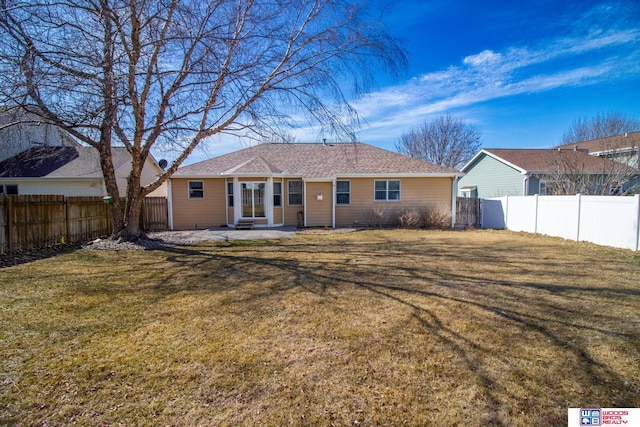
column 244, row 224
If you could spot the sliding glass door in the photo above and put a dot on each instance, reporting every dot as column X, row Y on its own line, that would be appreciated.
column 253, row 200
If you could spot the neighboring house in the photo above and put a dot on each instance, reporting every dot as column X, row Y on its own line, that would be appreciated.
column 21, row 130
column 525, row 172
column 69, row 171
column 623, row 148
column 311, row 184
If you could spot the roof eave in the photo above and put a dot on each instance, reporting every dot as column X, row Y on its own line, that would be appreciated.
column 323, row 178
column 402, row 175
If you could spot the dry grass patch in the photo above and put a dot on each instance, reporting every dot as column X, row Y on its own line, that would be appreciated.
column 372, row 328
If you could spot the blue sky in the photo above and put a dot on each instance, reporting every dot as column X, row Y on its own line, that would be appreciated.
column 521, row 72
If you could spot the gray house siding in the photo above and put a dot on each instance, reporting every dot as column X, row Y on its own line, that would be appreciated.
column 493, row 178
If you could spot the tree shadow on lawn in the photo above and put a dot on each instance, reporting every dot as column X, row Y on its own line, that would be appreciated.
column 556, row 324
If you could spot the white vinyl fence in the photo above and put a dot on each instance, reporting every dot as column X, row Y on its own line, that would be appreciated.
column 603, row 220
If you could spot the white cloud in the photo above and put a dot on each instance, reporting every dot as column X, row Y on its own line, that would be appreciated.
column 487, row 75
column 484, row 58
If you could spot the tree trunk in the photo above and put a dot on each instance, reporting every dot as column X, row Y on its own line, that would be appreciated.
column 131, row 230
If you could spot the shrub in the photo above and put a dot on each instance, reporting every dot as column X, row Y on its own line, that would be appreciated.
column 436, row 216
column 409, row 218
column 377, row 217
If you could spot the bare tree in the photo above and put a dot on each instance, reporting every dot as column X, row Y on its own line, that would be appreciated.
column 446, row 141
column 613, row 164
column 599, row 126
column 577, row 172
column 146, row 74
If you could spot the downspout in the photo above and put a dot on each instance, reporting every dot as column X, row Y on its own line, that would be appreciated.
column 304, row 203
column 454, row 196
column 170, row 204
column 525, row 186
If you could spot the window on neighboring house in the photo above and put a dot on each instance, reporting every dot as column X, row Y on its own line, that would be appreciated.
column 343, row 192
column 295, row 193
column 9, row 189
column 230, row 194
column 545, row 188
column 387, row 191
column 196, row 190
column 277, row 194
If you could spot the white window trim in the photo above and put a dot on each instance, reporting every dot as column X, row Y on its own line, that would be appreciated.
column 349, row 181
column 273, row 185
column 301, row 192
column 189, row 190
column 387, row 200
column 230, row 183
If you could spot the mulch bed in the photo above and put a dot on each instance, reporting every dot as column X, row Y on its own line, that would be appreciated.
column 23, row 257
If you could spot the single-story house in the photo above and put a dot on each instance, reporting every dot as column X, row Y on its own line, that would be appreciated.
column 69, row 171
column 525, row 172
column 306, row 184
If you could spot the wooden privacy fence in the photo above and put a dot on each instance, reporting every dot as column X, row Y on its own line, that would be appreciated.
column 34, row 222
column 468, row 211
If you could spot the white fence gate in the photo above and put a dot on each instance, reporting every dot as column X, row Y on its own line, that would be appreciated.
column 603, row 220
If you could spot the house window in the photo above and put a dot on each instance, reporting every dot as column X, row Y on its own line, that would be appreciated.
column 230, row 194
column 343, row 192
column 9, row 189
column 386, row 191
column 295, row 193
column 277, row 194
column 196, row 190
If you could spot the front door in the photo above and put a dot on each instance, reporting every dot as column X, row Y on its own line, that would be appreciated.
column 253, row 200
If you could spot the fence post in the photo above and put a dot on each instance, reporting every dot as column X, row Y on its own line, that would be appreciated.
column 637, row 197
column 579, row 200
column 67, row 227
column 535, row 218
column 506, row 212
column 10, row 224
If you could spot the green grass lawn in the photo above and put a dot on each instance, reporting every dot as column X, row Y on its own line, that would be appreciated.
column 366, row 328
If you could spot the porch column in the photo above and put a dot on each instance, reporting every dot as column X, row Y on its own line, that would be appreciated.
column 268, row 201
column 237, row 200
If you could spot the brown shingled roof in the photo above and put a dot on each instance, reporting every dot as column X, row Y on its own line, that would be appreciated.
column 532, row 160
column 313, row 160
column 618, row 142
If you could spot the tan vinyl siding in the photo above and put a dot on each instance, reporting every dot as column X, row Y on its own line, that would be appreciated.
column 290, row 212
column 277, row 216
column 319, row 212
column 414, row 193
column 209, row 211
